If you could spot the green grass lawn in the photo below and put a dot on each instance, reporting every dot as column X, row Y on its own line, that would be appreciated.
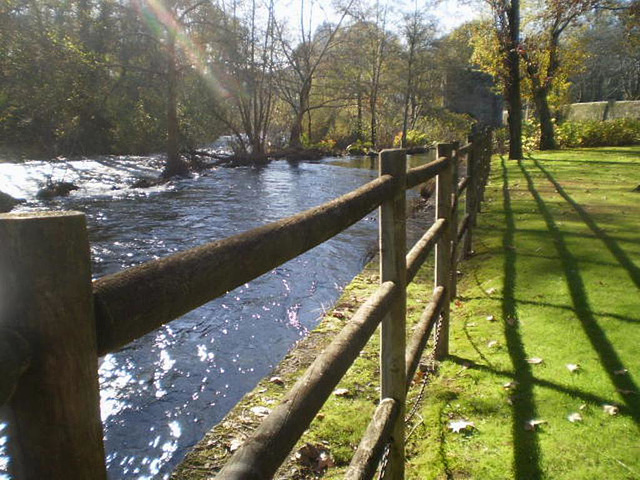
column 555, row 282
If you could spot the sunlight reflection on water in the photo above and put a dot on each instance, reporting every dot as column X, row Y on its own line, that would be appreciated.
column 161, row 393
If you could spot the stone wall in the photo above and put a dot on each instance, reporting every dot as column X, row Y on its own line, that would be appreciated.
column 579, row 112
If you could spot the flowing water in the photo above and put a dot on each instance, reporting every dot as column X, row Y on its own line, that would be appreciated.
column 160, row 394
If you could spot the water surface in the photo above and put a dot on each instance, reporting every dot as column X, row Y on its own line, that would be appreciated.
column 160, row 394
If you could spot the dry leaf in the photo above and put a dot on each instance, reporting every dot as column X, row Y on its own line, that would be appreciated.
column 573, row 367
column 491, row 291
column 533, row 424
column 316, row 457
column 342, row 392
column 623, row 371
column 235, row 444
column 472, row 324
column 458, row 426
column 626, row 392
column 260, row 411
column 492, row 343
column 512, row 320
column 583, row 406
column 535, row 360
column 611, row 409
column 574, row 417
column 277, row 381
column 491, row 318
column 510, row 385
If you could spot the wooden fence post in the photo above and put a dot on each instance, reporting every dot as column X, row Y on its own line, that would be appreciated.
column 455, row 158
column 46, row 296
column 472, row 195
column 393, row 333
column 444, row 186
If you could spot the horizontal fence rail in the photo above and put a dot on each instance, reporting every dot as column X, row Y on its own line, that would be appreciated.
column 138, row 300
column 120, row 308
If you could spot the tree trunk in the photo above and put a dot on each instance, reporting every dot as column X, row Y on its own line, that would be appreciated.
column 547, row 134
column 513, row 84
column 295, row 137
column 359, row 123
column 175, row 165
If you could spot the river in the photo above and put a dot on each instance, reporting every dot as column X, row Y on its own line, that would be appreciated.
column 160, row 394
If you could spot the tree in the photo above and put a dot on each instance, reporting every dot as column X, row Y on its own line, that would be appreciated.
column 302, row 65
column 418, row 35
column 611, row 67
column 541, row 54
column 506, row 20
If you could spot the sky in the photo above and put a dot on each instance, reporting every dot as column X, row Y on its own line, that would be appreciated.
column 449, row 13
column 452, row 14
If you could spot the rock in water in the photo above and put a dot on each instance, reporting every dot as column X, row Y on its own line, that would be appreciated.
column 7, row 202
column 56, row 189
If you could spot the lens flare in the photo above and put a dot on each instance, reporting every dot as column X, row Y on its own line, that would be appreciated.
column 162, row 22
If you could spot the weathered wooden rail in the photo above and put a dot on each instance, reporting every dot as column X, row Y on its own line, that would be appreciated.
column 55, row 322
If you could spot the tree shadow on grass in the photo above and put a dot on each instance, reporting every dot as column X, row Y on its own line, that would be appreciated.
column 615, row 249
column 526, row 464
column 573, row 392
column 607, row 354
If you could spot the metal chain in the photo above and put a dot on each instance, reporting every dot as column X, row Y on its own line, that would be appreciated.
column 384, row 461
column 425, row 381
column 436, row 338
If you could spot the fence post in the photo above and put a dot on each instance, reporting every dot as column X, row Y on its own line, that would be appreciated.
column 455, row 159
column 393, row 333
column 46, row 296
column 444, row 184
column 472, row 194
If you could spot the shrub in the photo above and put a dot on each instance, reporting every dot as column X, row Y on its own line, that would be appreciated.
column 415, row 138
column 359, row 147
column 610, row 133
column 622, row 131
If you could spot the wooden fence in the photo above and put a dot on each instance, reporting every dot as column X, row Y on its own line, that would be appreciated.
column 56, row 322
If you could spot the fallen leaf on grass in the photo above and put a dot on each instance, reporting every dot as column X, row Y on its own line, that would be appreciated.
column 535, row 360
column 510, row 385
column 626, row 392
column 511, row 320
column 277, row 381
column 533, row 424
column 491, row 318
column 342, row 392
column 492, row 343
column 611, row 409
column 573, row 367
column 235, row 444
column 458, row 426
column 316, row 457
column 491, row 291
column 260, row 411
column 623, row 371
column 574, row 417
